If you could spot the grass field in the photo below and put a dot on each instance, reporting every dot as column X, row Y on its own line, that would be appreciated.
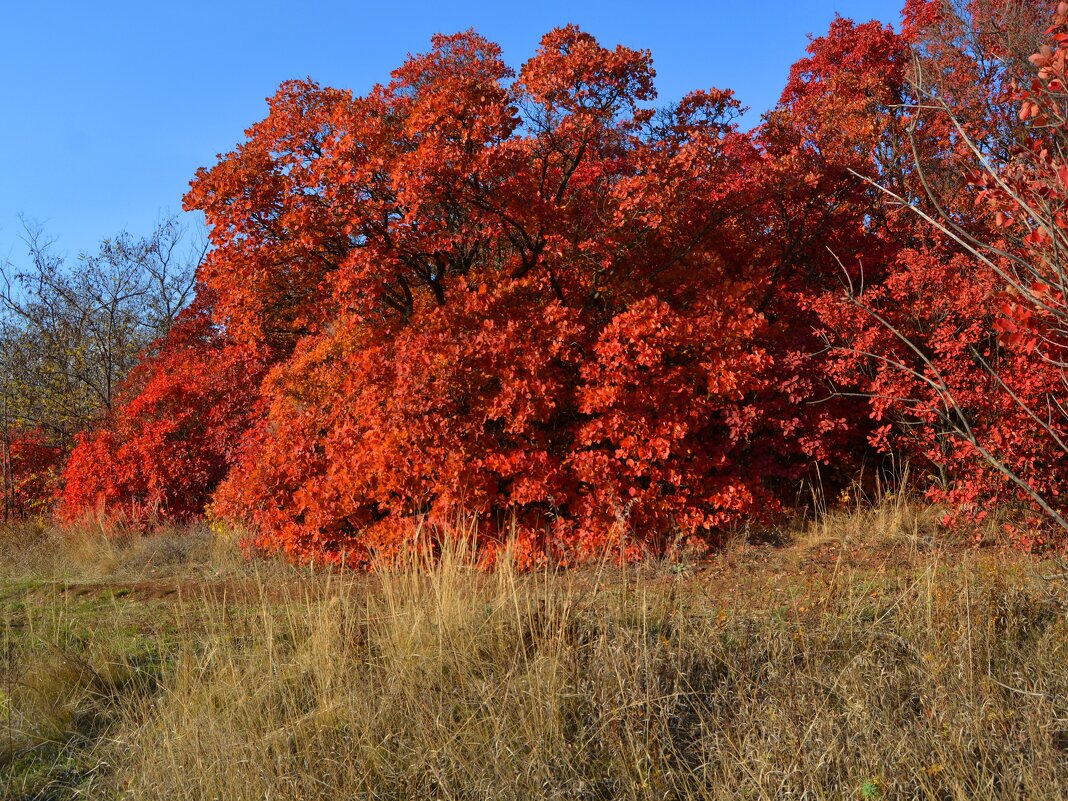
column 863, row 657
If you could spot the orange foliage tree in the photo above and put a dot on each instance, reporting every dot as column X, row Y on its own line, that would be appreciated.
column 525, row 294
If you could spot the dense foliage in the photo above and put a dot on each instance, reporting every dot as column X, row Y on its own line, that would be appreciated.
column 174, row 434
column 598, row 324
column 951, row 337
column 526, row 295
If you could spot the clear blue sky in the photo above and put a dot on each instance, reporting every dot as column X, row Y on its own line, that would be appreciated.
column 107, row 108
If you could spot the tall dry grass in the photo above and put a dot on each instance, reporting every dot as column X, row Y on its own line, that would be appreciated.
column 102, row 550
column 442, row 682
column 945, row 677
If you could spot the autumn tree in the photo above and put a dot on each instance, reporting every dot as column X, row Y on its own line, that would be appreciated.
column 952, row 383
column 528, row 294
column 173, row 431
column 596, row 324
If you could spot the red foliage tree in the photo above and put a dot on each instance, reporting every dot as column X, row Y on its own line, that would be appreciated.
column 956, row 383
column 529, row 295
column 171, row 437
column 524, row 294
column 839, row 118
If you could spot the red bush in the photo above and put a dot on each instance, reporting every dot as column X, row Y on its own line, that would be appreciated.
column 172, row 436
column 947, row 335
column 34, row 466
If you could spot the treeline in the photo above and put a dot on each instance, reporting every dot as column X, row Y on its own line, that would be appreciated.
column 70, row 334
column 598, row 322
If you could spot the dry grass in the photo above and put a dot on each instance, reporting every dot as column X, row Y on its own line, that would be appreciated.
column 862, row 661
column 103, row 551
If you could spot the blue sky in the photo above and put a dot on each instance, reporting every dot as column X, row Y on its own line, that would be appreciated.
column 109, row 107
